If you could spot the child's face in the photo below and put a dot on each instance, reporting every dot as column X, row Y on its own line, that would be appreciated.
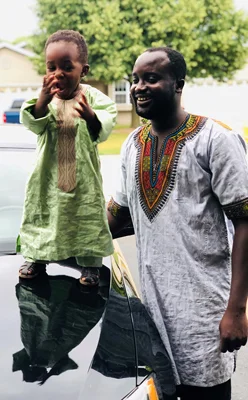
column 62, row 60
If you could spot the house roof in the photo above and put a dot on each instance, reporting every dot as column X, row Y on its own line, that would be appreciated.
column 16, row 48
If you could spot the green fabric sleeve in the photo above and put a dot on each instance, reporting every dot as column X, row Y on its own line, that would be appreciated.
column 105, row 110
column 36, row 126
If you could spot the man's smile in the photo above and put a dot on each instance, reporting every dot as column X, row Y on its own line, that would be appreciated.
column 143, row 100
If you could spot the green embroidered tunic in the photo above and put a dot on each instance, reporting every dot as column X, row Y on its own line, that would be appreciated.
column 63, row 220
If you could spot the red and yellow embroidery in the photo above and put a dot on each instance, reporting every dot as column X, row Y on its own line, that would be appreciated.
column 155, row 181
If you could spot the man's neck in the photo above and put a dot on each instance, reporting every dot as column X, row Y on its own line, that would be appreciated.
column 167, row 124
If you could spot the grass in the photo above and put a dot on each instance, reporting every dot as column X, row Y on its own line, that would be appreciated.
column 115, row 140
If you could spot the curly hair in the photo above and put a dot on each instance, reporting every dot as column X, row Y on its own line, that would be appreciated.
column 177, row 62
column 71, row 36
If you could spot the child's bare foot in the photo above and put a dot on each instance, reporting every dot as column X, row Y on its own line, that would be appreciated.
column 90, row 276
column 30, row 270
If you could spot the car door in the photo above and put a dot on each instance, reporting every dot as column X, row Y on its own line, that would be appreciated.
column 113, row 373
column 154, row 369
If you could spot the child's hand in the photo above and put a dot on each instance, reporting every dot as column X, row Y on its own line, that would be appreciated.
column 83, row 108
column 49, row 89
column 85, row 111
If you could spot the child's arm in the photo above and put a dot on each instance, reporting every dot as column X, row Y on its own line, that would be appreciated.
column 34, row 114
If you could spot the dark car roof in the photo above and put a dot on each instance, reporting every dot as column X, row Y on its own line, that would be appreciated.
column 28, row 332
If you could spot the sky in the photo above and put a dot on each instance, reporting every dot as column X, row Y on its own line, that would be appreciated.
column 17, row 18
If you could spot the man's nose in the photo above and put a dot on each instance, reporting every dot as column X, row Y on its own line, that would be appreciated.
column 140, row 86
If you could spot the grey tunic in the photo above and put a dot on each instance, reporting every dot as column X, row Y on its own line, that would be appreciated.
column 178, row 209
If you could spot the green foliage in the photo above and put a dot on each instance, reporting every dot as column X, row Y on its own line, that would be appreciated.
column 211, row 34
column 222, row 41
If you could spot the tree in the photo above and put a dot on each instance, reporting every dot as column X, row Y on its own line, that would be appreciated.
column 211, row 34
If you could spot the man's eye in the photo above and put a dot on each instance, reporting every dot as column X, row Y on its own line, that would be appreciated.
column 152, row 79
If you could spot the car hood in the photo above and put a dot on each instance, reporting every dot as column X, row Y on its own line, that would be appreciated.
column 49, row 327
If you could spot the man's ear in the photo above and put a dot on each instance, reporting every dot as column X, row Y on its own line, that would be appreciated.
column 85, row 70
column 179, row 85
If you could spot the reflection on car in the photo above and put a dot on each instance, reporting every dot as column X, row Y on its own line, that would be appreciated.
column 74, row 342
column 55, row 317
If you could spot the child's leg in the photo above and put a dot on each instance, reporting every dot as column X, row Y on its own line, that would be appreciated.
column 90, row 272
column 32, row 268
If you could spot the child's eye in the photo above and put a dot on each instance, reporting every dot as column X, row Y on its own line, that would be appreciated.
column 135, row 80
column 68, row 68
column 50, row 68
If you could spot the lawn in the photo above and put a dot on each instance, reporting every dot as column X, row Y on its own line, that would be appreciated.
column 115, row 140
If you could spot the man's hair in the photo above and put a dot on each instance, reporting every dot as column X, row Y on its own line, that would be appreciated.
column 71, row 36
column 177, row 61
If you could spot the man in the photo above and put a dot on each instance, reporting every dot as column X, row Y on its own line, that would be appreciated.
column 181, row 176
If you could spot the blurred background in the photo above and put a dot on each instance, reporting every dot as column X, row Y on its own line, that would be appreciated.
column 212, row 35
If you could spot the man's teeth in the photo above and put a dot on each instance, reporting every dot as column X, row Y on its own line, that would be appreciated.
column 143, row 98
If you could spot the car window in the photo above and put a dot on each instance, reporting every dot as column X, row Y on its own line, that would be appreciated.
column 17, row 103
column 15, row 166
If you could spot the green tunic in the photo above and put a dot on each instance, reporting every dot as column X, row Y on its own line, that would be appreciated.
column 59, row 223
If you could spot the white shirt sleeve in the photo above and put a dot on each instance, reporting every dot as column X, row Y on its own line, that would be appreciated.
column 229, row 171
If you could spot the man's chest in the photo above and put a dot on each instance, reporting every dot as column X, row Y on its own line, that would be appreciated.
column 175, row 173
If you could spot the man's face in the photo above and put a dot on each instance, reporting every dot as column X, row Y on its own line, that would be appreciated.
column 153, row 90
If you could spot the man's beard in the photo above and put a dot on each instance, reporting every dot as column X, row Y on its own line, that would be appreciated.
column 163, row 105
column 163, row 110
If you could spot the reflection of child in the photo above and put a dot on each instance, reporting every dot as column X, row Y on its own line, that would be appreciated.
column 64, row 213
column 48, row 337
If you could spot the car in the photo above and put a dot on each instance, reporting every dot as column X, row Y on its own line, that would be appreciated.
column 60, row 339
column 12, row 115
column 17, row 154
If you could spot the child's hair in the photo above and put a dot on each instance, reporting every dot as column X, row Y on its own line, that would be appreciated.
column 71, row 36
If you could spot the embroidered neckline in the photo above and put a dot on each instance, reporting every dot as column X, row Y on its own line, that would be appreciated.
column 155, row 165
column 155, row 184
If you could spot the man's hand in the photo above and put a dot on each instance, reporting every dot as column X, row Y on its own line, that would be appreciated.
column 233, row 330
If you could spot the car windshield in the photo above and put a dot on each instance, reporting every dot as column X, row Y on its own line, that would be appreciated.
column 17, row 103
column 17, row 148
